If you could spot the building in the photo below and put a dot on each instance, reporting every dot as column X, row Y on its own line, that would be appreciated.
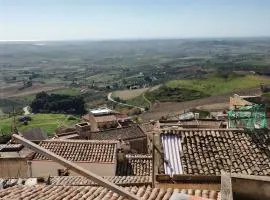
column 135, row 165
column 35, row 135
column 95, row 192
column 162, row 186
column 185, row 187
column 13, row 160
column 198, row 123
column 208, row 152
column 96, row 156
column 101, row 118
column 134, row 136
column 237, row 101
column 119, row 180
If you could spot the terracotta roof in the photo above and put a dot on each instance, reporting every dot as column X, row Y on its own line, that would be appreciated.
column 124, row 133
column 147, row 127
column 81, row 150
column 105, row 118
column 68, row 136
column 210, row 151
column 119, row 180
column 135, row 165
column 102, row 118
column 10, row 147
column 90, row 192
column 200, row 123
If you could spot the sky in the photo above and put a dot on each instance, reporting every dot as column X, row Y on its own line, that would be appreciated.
column 132, row 19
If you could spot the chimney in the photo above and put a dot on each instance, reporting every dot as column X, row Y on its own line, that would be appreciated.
column 84, row 130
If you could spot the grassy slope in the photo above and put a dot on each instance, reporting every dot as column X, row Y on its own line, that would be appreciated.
column 47, row 122
column 218, row 85
column 185, row 90
column 138, row 101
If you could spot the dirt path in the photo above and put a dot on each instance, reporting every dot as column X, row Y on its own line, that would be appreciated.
column 214, row 103
column 149, row 102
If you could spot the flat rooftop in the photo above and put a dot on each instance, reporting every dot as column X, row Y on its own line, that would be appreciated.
column 101, row 111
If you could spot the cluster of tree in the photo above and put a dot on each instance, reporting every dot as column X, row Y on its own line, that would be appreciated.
column 58, row 103
column 26, row 84
column 165, row 93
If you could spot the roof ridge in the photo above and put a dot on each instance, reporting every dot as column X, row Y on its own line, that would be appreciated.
column 202, row 129
column 80, row 141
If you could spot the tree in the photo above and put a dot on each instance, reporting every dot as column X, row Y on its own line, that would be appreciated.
column 58, row 103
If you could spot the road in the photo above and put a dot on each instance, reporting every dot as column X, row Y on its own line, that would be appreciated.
column 109, row 97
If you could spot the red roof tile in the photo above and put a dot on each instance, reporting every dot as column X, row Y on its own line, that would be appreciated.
column 81, row 150
column 119, row 180
column 210, row 151
column 135, row 165
column 125, row 133
column 38, row 192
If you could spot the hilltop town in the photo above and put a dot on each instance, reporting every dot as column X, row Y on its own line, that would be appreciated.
column 110, row 155
column 157, row 119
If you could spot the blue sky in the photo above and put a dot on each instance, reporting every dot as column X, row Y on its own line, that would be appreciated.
column 127, row 19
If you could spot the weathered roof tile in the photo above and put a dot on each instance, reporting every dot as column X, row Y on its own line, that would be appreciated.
column 119, row 180
column 135, row 165
column 124, row 133
column 210, row 151
column 81, row 150
column 89, row 192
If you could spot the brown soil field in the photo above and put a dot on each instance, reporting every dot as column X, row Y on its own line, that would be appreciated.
column 214, row 103
column 35, row 88
column 129, row 94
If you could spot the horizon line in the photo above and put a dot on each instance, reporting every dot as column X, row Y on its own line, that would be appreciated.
column 136, row 39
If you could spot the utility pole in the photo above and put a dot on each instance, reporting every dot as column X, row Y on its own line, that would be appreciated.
column 153, row 161
column 13, row 126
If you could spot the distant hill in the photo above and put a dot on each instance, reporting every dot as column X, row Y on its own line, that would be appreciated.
column 189, row 89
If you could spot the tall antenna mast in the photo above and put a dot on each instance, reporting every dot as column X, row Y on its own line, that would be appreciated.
column 14, row 126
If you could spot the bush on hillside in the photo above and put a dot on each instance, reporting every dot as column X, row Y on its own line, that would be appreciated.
column 58, row 103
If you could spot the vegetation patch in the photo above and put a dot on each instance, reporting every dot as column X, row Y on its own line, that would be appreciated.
column 215, row 85
column 166, row 93
column 47, row 122
column 58, row 103
column 139, row 101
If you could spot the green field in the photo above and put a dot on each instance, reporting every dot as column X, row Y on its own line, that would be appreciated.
column 219, row 85
column 190, row 89
column 47, row 122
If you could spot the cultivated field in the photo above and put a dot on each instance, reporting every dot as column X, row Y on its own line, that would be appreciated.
column 47, row 122
column 14, row 91
column 129, row 94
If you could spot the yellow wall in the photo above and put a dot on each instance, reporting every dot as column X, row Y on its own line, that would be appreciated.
column 46, row 168
column 13, row 167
